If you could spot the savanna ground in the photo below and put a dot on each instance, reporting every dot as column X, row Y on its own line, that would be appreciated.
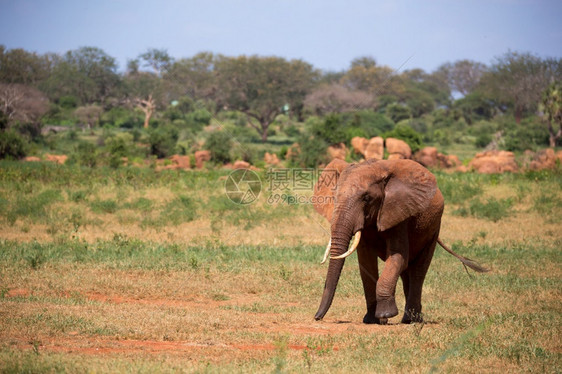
column 131, row 270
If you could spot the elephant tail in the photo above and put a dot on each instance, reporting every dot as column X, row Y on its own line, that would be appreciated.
column 465, row 261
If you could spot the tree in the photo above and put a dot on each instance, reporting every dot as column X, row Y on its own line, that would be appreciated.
column 335, row 98
column 551, row 106
column 145, row 89
column 89, row 114
column 261, row 86
column 87, row 73
column 398, row 112
column 157, row 59
column 463, row 76
column 20, row 66
column 23, row 104
column 192, row 77
column 219, row 143
column 366, row 75
column 144, row 92
column 419, row 83
column 147, row 106
column 517, row 80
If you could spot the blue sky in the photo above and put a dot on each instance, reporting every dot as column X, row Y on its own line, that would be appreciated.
column 327, row 34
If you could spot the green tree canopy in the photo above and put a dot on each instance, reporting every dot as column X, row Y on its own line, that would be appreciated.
column 517, row 80
column 261, row 86
column 87, row 73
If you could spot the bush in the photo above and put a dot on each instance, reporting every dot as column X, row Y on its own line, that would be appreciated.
column 163, row 141
column 442, row 137
column 407, row 134
column 118, row 148
column 121, row 117
column 12, row 145
column 483, row 140
column 371, row 123
column 292, row 131
column 475, row 107
column 219, row 144
column 330, row 131
column 246, row 152
column 418, row 124
column 68, row 102
column 244, row 134
column 530, row 134
column 312, row 152
column 198, row 119
column 397, row 112
column 84, row 154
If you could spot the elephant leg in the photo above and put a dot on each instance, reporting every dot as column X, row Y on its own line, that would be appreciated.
column 396, row 262
column 414, row 277
column 369, row 270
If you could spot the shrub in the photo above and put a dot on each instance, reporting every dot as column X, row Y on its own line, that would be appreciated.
column 121, row 117
column 68, row 102
column 246, row 152
column 475, row 107
column 330, row 130
column 292, row 131
column 530, row 134
column 312, row 152
column 219, row 144
column 371, row 123
column 163, row 141
column 442, row 137
column 397, row 112
column 84, row 154
column 118, row 148
column 12, row 145
column 407, row 134
column 244, row 134
column 198, row 119
column 483, row 140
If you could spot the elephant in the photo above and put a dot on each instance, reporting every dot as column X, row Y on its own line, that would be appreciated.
column 394, row 210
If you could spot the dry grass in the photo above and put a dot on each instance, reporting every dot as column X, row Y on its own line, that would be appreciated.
column 235, row 290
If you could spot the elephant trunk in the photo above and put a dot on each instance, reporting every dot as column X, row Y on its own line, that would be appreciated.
column 342, row 231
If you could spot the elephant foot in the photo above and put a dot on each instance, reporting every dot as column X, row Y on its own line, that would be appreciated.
column 412, row 317
column 386, row 308
column 371, row 319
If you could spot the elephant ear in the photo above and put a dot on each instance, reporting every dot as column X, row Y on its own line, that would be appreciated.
column 325, row 188
column 408, row 192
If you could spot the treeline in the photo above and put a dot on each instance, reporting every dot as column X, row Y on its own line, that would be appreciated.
column 515, row 101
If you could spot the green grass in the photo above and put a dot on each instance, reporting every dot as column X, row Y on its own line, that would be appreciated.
column 226, row 306
column 493, row 209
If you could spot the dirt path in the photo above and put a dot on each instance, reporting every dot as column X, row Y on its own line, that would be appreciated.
column 75, row 343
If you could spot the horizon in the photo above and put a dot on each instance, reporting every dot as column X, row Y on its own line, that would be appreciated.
column 323, row 34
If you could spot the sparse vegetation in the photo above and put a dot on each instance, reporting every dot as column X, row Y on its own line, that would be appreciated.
column 110, row 267
column 147, row 264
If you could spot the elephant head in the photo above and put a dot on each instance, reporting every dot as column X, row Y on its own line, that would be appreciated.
column 373, row 195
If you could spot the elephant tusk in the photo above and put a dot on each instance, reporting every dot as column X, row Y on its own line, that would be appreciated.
column 352, row 249
column 327, row 251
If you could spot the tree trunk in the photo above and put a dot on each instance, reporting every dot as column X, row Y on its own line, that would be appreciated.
column 553, row 138
column 264, row 128
column 147, row 106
